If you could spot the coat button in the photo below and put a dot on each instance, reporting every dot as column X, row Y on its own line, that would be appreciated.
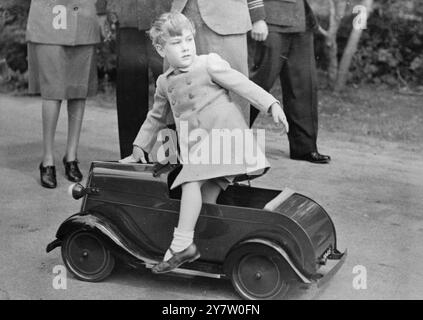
column 191, row 96
column 189, row 81
column 177, row 114
column 173, row 102
column 170, row 89
column 75, row 8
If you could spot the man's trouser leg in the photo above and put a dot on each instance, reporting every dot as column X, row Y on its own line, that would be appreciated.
column 135, row 55
column 299, row 90
column 266, row 59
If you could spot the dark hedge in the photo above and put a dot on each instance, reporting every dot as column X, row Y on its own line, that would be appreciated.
column 390, row 51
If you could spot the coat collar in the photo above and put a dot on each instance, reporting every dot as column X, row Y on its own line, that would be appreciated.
column 175, row 71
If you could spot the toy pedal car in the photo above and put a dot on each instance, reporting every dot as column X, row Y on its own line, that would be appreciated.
column 260, row 239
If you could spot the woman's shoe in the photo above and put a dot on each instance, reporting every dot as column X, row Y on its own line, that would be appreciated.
column 48, row 176
column 188, row 255
column 71, row 170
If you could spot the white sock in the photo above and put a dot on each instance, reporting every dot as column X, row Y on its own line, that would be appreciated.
column 181, row 240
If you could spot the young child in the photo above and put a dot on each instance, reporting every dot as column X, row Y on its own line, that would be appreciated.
column 195, row 88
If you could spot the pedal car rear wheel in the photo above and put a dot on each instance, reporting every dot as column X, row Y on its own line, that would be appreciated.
column 258, row 272
column 86, row 257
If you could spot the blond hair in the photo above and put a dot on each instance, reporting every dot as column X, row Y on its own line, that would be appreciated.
column 169, row 24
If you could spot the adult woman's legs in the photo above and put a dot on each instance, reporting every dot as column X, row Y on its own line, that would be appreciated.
column 76, row 108
column 50, row 114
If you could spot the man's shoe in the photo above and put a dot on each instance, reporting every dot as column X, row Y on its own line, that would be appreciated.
column 313, row 157
column 71, row 170
column 48, row 176
column 188, row 255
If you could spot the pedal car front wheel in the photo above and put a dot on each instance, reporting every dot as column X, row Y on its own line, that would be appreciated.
column 86, row 257
column 258, row 273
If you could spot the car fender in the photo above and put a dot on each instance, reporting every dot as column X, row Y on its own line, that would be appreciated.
column 274, row 246
column 87, row 221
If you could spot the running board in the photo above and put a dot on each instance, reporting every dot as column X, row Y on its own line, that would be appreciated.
column 192, row 272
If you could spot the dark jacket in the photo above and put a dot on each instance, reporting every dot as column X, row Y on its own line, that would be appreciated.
column 135, row 13
column 80, row 27
column 285, row 13
column 225, row 17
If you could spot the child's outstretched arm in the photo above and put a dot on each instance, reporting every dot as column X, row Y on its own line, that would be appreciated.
column 153, row 124
column 232, row 80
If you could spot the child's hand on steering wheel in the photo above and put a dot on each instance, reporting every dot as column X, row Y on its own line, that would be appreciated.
column 136, row 156
column 278, row 115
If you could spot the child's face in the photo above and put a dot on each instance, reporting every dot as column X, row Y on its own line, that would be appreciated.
column 180, row 50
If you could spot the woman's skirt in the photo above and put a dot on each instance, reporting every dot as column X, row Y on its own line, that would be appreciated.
column 62, row 72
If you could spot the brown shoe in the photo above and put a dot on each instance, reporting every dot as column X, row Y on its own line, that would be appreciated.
column 188, row 255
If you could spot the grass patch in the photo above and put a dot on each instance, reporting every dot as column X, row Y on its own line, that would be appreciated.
column 367, row 111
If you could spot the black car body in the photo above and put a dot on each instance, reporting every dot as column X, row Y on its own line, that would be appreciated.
column 261, row 239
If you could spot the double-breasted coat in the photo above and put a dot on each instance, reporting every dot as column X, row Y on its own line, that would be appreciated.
column 289, row 15
column 199, row 98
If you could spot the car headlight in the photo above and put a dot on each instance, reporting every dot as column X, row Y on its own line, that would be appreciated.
column 77, row 191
